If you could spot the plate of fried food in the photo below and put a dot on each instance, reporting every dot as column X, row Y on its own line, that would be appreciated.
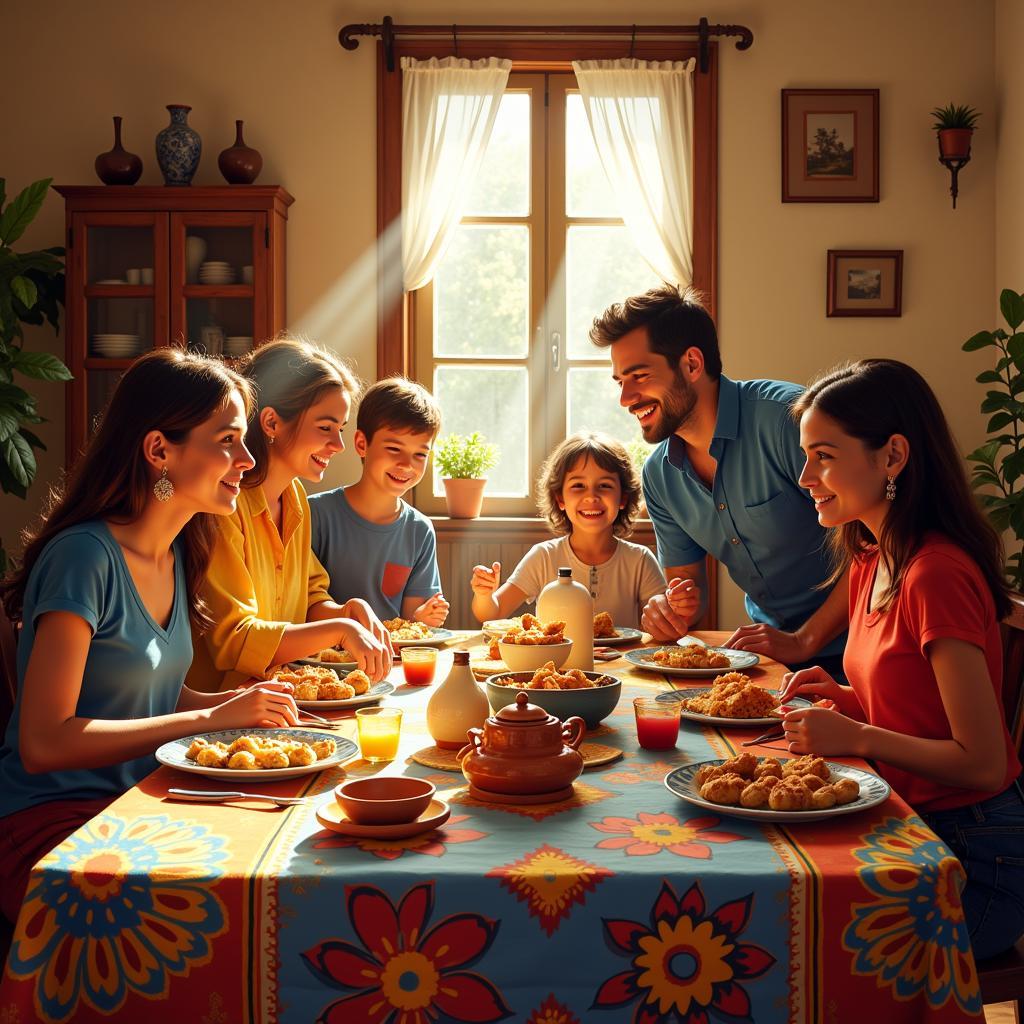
column 331, row 657
column 732, row 699
column 590, row 695
column 804, row 788
column 256, row 753
column 607, row 634
column 319, row 687
column 406, row 633
column 694, row 659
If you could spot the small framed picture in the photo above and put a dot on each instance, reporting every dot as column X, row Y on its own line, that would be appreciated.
column 865, row 282
column 830, row 145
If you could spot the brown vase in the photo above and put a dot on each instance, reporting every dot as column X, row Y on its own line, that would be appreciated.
column 240, row 164
column 117, row 166
column 955, row 143
column 465, row 497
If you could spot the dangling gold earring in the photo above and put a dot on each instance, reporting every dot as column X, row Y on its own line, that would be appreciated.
column 890, row 488
column 270, row 438
column 163, row 488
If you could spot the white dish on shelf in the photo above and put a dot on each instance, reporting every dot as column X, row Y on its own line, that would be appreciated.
column 111, row 280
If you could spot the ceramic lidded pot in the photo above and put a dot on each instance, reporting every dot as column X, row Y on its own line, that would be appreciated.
column 117, row 166
column 522, row 750
column 240, row 164
column 178, row 147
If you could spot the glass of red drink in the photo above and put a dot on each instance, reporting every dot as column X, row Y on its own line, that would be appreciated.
column 419, row 665
column 657, row 723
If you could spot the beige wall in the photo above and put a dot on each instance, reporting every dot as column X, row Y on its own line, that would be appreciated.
column 310, row 108
column 1009, row 131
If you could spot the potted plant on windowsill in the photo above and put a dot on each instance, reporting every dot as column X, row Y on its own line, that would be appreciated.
column 462, row 461
column 998, row 472
column 955, row 126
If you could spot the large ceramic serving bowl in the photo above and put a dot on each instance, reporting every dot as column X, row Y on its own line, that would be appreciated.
column 593, row 704
column 528, row 657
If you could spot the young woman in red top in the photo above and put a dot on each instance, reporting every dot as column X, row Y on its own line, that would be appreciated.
column 924, row 657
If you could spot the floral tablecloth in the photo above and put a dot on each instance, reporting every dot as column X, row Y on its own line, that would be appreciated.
column 621, row 904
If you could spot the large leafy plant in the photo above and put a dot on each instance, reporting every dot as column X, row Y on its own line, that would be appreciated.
column 465, row 457
column 31, row 292
column 998, row 472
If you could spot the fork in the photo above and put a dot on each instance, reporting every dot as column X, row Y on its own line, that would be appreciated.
column 770, row 736
column 221, row 796
column 326, row 722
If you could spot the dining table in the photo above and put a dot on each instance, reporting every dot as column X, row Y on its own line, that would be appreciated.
column 621, row 903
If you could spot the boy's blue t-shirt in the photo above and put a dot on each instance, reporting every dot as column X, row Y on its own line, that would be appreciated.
column 134, row 668
column 381, row 563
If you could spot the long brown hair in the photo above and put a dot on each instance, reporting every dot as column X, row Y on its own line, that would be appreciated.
column 607, row 453
column 289, row 375
column 168, row 390
column 871, row 400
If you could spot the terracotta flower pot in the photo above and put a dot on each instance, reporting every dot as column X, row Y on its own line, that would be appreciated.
column 465, row 497
column 955, row 143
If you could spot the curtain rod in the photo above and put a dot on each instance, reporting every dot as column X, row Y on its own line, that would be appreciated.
column 388, row 32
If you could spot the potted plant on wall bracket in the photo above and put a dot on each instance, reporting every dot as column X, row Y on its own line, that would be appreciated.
column 462, row 462
column 998, row 472
column 954, row 126
column 31, row 292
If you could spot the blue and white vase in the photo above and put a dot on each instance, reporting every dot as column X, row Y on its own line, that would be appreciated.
column 178, row 148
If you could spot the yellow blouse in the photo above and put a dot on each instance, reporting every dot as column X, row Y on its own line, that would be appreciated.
column 258, row 583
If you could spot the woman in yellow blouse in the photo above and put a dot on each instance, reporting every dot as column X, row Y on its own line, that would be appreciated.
column 266, row 590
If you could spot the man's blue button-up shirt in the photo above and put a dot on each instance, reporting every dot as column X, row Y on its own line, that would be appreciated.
column 755, row 519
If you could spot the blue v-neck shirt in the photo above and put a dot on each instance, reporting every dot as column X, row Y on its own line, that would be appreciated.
column 755, row 518
column 134, row 669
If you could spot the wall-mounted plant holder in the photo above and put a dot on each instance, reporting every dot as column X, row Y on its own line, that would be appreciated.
column 954, row 159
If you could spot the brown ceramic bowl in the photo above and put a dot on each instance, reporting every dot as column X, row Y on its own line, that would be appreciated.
column 384, row 800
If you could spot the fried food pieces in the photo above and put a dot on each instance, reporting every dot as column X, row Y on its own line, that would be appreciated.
column 797, row 784
column 604, row 628
column 403, row 629
column 532, row 631
column 252, row 753
column 335, row 655
column 733, row 695
column 547, row 677
column 690, row 656
column 315, row 682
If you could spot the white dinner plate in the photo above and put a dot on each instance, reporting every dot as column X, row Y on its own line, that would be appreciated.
column 695, row 716
column 438, row 635
column 338, row 667
column 172, row 754
column 873, row 791
column 739, row 661
column 494, row 628
column 375, row 693
column 624, row 635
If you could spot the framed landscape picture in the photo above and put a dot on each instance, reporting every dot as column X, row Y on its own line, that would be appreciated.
column 830, row 145
column 864, row 282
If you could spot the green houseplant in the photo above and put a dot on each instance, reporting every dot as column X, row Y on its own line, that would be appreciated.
column 31, row 292
column 955, row 126
column 998, row 465
column 462, row 461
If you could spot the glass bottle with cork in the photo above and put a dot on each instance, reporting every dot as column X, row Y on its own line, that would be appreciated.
column 565, row 600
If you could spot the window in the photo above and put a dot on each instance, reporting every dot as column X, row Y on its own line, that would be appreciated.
column 405, row 320
column 502, row 330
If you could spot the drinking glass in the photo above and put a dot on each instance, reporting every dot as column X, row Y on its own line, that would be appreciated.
column 379, row 729
column 657, row 723
column 419, row 665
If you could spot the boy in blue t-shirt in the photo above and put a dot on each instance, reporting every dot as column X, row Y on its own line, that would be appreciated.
column 373, row 544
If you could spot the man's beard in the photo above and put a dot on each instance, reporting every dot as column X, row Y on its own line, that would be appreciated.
column 676, row 409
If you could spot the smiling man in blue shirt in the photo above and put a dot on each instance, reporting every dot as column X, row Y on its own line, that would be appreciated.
column 723, row 480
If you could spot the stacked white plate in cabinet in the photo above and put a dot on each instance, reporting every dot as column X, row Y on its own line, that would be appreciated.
column 237, row 345
column 216, row 272
column 116, row 346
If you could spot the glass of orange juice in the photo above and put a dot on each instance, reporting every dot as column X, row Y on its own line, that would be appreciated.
column 379, row 729
column 419, row 665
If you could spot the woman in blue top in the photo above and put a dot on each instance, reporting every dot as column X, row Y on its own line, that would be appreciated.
column 107, row 591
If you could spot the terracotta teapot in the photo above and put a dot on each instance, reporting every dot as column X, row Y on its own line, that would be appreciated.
column 523, row 750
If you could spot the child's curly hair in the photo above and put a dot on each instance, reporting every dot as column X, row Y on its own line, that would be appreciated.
column 611, row 456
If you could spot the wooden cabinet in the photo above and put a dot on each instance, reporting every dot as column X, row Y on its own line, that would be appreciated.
column 151, row 266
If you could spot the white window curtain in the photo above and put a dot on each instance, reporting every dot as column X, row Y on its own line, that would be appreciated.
column 641, row 117
column 448, row 112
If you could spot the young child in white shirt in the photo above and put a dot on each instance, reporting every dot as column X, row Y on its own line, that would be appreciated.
column 589, row 493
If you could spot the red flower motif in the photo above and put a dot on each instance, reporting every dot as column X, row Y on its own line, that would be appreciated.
column 551, row 1011
column 648, row 834
column 687, row 962
column 405, row 973
column 430, row 843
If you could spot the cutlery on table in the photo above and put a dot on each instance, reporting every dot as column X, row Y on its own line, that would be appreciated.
column 770, row 736
column 221, row 796
column 326, row 722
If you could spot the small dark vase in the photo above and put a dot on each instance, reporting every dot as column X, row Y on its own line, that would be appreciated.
column 240, row 164
column 178, row 148
column 117, row 166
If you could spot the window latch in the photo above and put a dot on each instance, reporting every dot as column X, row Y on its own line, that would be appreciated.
column 556, row 351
